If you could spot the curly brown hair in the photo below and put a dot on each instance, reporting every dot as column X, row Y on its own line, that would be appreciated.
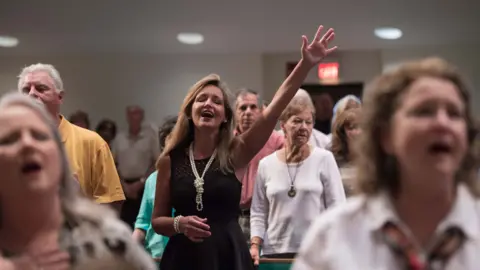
column 340, row 147
column 377, row 170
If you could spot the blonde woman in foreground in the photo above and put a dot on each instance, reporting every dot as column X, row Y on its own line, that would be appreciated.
column 44, row 222
column 419, row 208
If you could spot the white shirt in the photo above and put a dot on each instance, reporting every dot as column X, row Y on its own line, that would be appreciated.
column 281, row 221
column 319, row 139
column 136, row 155
column 348, row 238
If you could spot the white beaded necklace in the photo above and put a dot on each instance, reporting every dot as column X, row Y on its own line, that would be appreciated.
column 198, row 183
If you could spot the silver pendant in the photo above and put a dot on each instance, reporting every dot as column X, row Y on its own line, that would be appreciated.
column 292, row 192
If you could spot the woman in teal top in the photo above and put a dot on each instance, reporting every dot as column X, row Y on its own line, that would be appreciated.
column 144, row 233
column 153, row 242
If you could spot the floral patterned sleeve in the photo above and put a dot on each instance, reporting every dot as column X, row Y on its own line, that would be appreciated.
column 89, row 241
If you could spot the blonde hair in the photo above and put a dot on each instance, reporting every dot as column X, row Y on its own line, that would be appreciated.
column 183, row 132
column 376, row 169
column 297, row 105
column 344, row 104
column 75, row 206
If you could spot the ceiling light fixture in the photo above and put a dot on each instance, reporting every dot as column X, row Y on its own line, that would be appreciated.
column 388, row 33
column 190, row 38
column 8, row 42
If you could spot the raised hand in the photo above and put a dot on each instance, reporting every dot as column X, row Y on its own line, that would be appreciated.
column 194, row 228
column 318, row 49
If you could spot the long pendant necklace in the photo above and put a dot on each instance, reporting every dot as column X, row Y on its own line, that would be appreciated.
column 292, row 191
column 198, row 183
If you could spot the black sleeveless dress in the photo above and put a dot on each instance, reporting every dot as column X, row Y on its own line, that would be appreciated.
column 226, row 248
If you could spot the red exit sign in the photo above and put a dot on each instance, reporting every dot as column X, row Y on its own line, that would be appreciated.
column 328, row 71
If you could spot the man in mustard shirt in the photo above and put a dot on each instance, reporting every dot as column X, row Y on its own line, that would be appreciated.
column 89, row 155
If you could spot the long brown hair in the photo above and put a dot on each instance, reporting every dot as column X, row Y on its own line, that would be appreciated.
column 340, row 147
column 183, row 132
column 377, row 170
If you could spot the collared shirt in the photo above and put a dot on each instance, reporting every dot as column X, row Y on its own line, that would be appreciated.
column 92, row 162
column 135, row 155
column 274, row 143
column 349, row 237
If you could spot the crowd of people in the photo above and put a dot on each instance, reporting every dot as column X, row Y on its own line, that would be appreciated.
column 389, row 183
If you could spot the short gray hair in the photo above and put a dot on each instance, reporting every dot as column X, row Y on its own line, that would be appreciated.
column 304, row 96
column 245, row 91
column 49, row 69
column 74, row 205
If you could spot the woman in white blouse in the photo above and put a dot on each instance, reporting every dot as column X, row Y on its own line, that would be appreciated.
column 293, row 186
column 417, row 173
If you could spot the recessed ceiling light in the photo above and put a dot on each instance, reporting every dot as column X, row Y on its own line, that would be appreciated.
column 388, row 33
column 6, row 41
column 190, row 38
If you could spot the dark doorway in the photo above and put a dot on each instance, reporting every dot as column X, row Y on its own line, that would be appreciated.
column 324, row 104
column 336, row 91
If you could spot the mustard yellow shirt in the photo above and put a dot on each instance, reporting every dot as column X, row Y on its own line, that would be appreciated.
column 91, row 160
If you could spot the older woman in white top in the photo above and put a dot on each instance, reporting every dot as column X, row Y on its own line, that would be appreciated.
column 317, row 138
column 419, row 208
column 293, row 186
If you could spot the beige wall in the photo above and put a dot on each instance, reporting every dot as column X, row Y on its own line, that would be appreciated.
column 355, row 66
column 103, row 85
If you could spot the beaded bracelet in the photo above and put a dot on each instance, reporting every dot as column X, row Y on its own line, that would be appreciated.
column 176, row 224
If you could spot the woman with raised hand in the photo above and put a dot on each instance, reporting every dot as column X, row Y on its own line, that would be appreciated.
column 200, row 168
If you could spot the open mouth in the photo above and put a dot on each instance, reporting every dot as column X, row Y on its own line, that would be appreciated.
column 440, row 148
column 302, row 135
column 207, row 114
column 31, row 167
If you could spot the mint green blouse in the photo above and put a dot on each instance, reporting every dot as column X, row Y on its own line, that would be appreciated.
column 154, row 243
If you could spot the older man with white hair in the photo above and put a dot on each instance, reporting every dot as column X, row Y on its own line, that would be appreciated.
column 89, row 155
column 317, row 138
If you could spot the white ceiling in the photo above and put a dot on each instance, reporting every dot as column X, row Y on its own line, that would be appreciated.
column 261, row 26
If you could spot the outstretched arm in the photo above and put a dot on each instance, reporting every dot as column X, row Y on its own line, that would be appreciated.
column 252, row 141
